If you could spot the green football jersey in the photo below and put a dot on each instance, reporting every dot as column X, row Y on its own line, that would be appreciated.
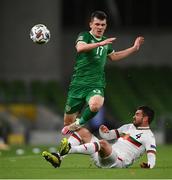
column 89, row 66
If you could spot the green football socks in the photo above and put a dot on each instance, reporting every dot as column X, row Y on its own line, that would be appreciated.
column 86, row 116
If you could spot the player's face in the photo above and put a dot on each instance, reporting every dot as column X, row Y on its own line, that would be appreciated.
column 138, row 118
column 98, row 27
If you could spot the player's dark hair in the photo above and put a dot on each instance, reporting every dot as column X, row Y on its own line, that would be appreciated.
column 147, row 111
column 99, row 15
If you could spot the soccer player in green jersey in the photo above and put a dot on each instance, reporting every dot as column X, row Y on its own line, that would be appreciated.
column 88, row 80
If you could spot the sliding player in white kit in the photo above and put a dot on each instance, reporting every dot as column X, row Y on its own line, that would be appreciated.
column 131, row 141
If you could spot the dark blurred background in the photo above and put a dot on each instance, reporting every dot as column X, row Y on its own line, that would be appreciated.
column 34, row 78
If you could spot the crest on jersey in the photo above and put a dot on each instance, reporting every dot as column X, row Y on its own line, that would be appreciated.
column 138, row 135
column 67, row 108
column 97, row 91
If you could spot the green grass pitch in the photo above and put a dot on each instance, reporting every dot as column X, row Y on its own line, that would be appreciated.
column 33, row 166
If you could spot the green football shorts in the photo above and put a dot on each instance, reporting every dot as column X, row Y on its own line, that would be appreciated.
column 78, row 96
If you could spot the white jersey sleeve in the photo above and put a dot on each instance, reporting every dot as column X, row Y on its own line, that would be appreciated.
column 114, row 133
column 124, row 128
column 150, row 146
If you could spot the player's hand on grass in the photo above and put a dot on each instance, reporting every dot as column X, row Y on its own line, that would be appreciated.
column 144, row 165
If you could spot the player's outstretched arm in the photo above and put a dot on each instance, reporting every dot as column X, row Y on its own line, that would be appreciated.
column 107, row 134
column 84, row 47
column 115, row 56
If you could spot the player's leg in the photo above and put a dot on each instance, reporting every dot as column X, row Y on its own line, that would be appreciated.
column 70, row 118
column 74, row 103
column 80, row 136
column 87, row 148
column 75, row 139
column 90, row 143
column 95, row 99
column 55, row 158
column 72, row 109
column 94, row 104
column 106, row 149
column 107, row 156
column 85, row 135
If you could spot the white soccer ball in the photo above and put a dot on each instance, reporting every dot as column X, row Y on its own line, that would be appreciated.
column 40, row 34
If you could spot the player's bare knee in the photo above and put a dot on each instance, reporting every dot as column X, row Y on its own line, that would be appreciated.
column 95, row 103
column 103, row 144
column 94, row 107
column 105, row 148
column 85, row 135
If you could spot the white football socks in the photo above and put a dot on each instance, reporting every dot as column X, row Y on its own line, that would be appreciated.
column 75, row 139
column 88, row 148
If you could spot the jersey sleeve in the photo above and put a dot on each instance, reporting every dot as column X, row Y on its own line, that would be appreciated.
column 123, row 128
column 111, row 135
column 82, row 37
column 110, row 49
column 150, row 146
column 114, row 133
